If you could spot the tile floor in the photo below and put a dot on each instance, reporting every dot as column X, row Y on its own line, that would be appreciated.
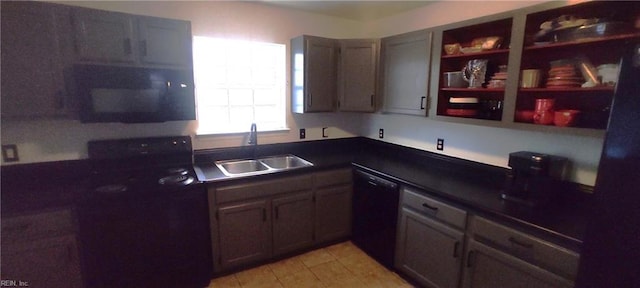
column 341, row 265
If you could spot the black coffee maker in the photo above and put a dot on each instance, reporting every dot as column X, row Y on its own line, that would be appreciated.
column 532, row 177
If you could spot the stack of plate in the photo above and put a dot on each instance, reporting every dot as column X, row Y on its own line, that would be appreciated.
column 564, row 76
column 497, row 80
column 463, row 106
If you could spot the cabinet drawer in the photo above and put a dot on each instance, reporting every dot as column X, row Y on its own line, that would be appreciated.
column 554, row 258
column 333, row 177
column 262, row 188
column 37, row 225
column 436, row 209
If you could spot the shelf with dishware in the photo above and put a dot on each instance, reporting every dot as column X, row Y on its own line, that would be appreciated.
column 471, row 57
column 569, row 64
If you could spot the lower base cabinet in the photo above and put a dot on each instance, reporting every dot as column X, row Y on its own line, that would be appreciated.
column 429, row 251
column 244, row 231
column 257, row 220
column 490, row 268
column 292, row 222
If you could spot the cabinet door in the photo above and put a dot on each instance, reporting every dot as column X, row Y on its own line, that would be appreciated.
column 164, row 41
column 429, row 251
column 48, row 262
column 320, row 74
column 32, row 61
column 292, row 222
column 490, row 268
column 244, row 233
column 333, row 213
column 104, row 36
column 358, row 75
column 406, row 72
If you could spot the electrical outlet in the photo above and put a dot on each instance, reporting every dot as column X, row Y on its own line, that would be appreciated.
column 10, row 153
column 440, row 144
column 303, row 133
column 381, row 133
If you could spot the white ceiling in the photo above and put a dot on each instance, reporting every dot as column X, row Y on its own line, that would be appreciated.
column 354, row 10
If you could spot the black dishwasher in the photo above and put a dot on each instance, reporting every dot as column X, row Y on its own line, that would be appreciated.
column 375, row 214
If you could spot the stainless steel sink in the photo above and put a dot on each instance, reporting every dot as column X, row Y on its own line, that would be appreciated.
column 285, row 162
column 237, row 167
column 247, row 167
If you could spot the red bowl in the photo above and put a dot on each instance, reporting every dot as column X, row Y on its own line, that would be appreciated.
column 524, row 116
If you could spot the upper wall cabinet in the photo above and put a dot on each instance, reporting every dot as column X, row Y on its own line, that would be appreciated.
column 110, row 37
column 473, row 70
column 35, row 52
column 575, row 50
column 314, row 63
column 357, row 75
column 548, row 68
column 405, row 72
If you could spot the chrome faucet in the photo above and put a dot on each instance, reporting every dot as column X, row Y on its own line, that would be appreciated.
column 253, row 135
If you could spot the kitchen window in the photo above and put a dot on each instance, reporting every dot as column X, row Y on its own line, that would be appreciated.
column 239, row 83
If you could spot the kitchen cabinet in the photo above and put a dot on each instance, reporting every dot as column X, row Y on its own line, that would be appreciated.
column 486, row 49
column 503, row 102
column 35, row 57
column 499, row 256
column 490, row 268
column 244, row 233
column 357, row 75
column 405, row 64
column 253, row 221
column 41, row 249
column 430, row 240
column 333, row 196
column 314, row 62
column 292, row 222
column 581, row 54
column 118, row 38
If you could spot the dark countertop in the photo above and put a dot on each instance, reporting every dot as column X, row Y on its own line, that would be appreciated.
column 471, row 185
column 474, row 186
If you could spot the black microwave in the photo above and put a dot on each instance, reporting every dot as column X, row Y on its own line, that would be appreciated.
column 134, row 94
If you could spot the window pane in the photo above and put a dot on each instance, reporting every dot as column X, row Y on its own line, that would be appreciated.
column 241, row 97
column 215, row 97
column 238, row 83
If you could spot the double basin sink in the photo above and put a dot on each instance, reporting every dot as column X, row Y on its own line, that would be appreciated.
column 247, row 167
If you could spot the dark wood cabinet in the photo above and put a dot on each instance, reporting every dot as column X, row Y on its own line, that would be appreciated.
column 244, row 233
column 292, row 222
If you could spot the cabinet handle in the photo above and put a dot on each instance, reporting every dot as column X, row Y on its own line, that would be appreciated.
column 277, row 212
column 470, row 258
column 520, row 243
column 264, row 214
column 310, row 102
column 456, row 246
column 422, row 102
column 371, row 100
column 127, row 46
column 143, row 47
column 425, row 205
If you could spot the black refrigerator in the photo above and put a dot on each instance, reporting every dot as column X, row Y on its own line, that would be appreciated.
column 611, row 251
